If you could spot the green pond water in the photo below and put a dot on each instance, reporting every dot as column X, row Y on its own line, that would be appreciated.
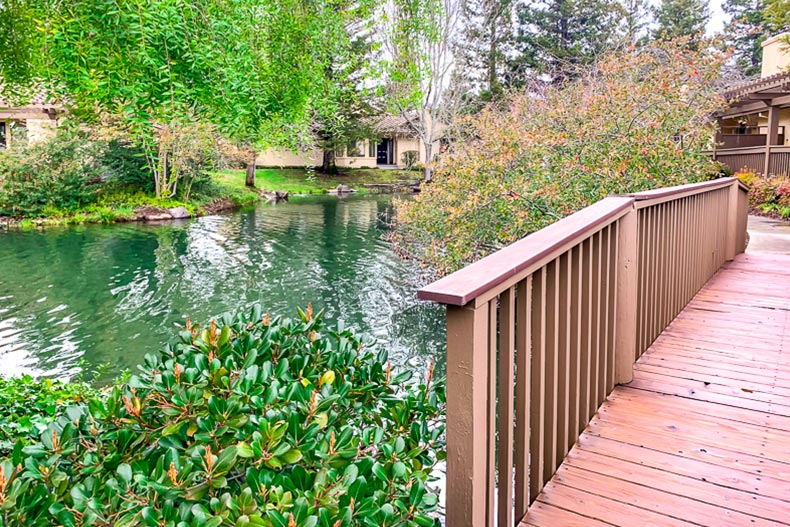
column 80, row 297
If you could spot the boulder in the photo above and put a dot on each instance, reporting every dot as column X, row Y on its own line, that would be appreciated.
column 178, row 213
column 157, row 216
column 342, row 189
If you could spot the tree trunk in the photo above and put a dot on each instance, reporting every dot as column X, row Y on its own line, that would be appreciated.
column 428, row 170
column 250, row 180
column 328, row 165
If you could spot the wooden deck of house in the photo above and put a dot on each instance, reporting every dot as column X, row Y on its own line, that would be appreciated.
column 701, row 436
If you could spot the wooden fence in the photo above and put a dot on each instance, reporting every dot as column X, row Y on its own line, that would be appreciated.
column 539, row 333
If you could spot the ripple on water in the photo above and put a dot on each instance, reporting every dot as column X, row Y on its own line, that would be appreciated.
column 110, row 294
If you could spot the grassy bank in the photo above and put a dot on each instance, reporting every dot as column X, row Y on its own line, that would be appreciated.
column 127, row 203
column 124, row 203
column 299, row 181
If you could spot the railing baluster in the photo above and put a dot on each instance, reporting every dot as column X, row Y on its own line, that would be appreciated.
column 563, row 355
column 575, row 346
column 507, row 345
column 538, row 427
column 550, row 365
column 523, row 393
column 585, row 403
column 492, row 407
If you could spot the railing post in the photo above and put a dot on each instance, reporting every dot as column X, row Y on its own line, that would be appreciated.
column 467, row 415
column 732, row 220
column 626, row 297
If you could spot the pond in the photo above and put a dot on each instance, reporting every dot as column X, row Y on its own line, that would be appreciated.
column 80, row 297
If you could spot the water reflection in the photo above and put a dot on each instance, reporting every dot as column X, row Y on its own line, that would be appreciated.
column 112, row 293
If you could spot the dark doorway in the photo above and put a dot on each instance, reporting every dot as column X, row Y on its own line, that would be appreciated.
column 384, row 152
column 2, row 135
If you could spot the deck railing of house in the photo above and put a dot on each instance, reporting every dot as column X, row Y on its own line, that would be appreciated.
column 772, row 160
column 539, row 333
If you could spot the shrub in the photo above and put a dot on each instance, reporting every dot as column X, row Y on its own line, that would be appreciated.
column 410, row 158
column 639, row 119
column 254, row 420
column 767, row 194
column 62, row 172
column 28, row 406
column 125, row 164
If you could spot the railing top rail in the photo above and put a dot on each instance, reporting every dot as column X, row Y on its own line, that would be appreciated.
column 691, row 188
column 525, row 255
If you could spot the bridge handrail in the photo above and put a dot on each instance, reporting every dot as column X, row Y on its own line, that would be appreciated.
column 539, row 333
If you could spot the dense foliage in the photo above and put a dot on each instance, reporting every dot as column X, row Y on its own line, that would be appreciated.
column 252, row 420
column 61, row 173
column 28, row 406
column 251, row 67
column 769, row 195
column 636, row 121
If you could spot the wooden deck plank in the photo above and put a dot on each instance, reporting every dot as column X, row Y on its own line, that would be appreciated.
column 701, row 436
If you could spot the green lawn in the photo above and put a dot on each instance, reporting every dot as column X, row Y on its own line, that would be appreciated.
column 296, row 180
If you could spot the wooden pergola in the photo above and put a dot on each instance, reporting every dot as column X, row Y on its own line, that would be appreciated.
column 751, row 134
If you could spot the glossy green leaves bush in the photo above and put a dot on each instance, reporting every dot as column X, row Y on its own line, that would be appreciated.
column 28, row 406
column 253, row 420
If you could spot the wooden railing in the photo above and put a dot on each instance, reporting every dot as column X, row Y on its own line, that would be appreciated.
column 779, row 163
column 737, row 159
column 772, row 160
column 539, row 333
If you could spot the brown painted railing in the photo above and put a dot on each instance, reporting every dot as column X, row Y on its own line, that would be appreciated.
column 779, row 164
column 737, row 159
column 539, row 333
column 773, row 160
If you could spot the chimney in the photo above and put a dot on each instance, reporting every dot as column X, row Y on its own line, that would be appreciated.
column 776, row 55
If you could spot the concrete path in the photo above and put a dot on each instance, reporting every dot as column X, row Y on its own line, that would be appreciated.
column 768, row 236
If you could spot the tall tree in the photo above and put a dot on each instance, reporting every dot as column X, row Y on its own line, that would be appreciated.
column 777, row 15
column 744, row 33
column 419, row 35
column 636, row 18
column 557, row 36
column 345, row 104
column 483, row 44
column 681, row 18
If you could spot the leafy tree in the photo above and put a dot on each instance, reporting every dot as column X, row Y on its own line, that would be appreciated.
column 418, row 36
column 638, row 119
column 636, row 17
column 250, row 66
column 559, row 35
column 346, row 106
column 483, row 44
column 681, row 18
column 777, row 15
column 745, row 31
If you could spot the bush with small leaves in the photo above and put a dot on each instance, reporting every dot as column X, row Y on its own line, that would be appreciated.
column 251, row 421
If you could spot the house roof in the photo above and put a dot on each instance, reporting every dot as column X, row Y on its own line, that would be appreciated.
column 766, row 88
column 393, row 124
column 36, row 99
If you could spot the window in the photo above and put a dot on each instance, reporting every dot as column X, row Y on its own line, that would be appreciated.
column 340, row 151
column 372, row 148
column 353, row 149
column 2, row 134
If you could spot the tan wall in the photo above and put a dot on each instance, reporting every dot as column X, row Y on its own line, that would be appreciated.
column 40, row 129
column 776, row 56
column 274, row 157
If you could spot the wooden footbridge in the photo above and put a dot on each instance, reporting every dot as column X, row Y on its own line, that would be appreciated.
column 625, row 366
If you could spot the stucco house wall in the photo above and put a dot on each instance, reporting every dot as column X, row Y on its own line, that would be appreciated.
column 776, row 55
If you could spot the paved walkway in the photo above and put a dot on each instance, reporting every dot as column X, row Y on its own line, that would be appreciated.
column 701, row 437
column 768, row 236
